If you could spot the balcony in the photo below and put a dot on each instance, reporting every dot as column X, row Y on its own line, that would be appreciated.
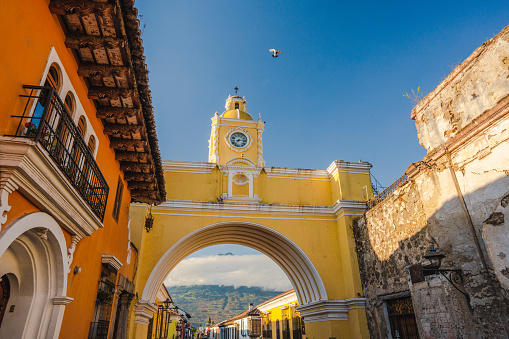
column 46, row 121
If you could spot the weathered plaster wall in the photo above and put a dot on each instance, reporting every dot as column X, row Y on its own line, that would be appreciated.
column 473, row 87
column 458, row 200
column 399, row 231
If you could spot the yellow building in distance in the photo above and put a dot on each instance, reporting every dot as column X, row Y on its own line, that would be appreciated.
column 300, row 218
column 280, row 318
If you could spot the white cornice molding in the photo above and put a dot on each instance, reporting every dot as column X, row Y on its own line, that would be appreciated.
column 62, row 300
column 348, row 167
column 237, row 121
column 26, row 165
column 111, row 260
column 232, row 205
column 237, row 207
column 188, row 165
column 162, row 293
column 237, row 163
column 241, row 199
column 278, row 172
column 326, row 310
column 279, row 302
column 342, row 206
column 296, row 172
column 144, row 311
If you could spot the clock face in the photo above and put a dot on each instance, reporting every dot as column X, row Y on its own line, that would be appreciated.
column 238, row 139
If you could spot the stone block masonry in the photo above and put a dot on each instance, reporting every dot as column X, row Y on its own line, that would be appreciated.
column 456, row 200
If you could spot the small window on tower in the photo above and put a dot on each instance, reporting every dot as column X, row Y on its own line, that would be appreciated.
column 236, row 105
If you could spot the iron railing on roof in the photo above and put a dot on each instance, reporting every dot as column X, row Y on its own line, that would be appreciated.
column 388, row 191
column 51, row 125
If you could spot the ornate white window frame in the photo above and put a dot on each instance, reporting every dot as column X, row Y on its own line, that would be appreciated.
column 67, row 87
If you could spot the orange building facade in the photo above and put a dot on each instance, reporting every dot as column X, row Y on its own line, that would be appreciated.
column 77, row 146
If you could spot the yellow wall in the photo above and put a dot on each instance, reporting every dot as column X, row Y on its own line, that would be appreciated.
column 27, row 41
column 291, row 190
column 282, row 308
column 327, row 240
column 295, row 191
column 193, row 186
column 19, row 206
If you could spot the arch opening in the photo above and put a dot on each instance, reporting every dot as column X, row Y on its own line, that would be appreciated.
column 231, row 266
column 285, row 253
column 33, row 257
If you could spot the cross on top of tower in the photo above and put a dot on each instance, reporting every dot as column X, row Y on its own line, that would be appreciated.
column 236, row 89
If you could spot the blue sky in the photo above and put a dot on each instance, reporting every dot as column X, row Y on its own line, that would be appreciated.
column 336, row 91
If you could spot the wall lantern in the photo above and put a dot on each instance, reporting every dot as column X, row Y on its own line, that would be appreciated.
column 168, row 306
column 453, row 276
column 149, row 220
column 167, row 303
column 434, row 258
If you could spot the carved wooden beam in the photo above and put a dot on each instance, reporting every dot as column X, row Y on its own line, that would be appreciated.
column 126, row 166
column 78, row 40
column 146, row 200
column 117, row 112
column 132, row 176
column 110, row 129
column 132, row 156
column 123, row 144
column 144, row 193
column 141, row 185
column 87, row 69
column 110, row 93
column 65, row 7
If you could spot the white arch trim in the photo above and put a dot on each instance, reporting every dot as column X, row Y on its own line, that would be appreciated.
column 33, row 221
column 293, row 261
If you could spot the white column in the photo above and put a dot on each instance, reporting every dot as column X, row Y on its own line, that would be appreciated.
column 250, row 177
column 230, row 183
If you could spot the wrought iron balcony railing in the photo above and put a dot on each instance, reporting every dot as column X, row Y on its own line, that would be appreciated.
column 46, row 120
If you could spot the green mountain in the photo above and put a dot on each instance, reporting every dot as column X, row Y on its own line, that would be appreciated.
column 217, row 302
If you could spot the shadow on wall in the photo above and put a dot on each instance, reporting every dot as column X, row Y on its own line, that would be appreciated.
column 399, row 231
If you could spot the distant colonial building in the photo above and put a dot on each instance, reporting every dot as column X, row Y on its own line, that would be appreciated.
column 280, row 317
column 246, row 325
column 275, row 318
column 249, row 323
column 455, row 202
column 77, row 146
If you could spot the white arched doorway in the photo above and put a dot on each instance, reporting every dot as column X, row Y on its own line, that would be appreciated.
column 292, row 260
column 33, row 257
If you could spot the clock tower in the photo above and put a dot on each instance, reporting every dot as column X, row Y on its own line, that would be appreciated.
column 236, row 146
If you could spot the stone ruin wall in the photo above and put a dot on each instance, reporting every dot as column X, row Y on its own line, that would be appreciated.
column 464, row 124
column 463, row 95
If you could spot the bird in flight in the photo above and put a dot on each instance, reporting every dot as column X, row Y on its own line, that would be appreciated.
column 275, row 53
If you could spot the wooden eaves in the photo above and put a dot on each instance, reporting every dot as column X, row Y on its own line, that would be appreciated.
column 105, row 38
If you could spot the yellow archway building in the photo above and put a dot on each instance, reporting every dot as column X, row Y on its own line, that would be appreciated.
column 300, row 218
